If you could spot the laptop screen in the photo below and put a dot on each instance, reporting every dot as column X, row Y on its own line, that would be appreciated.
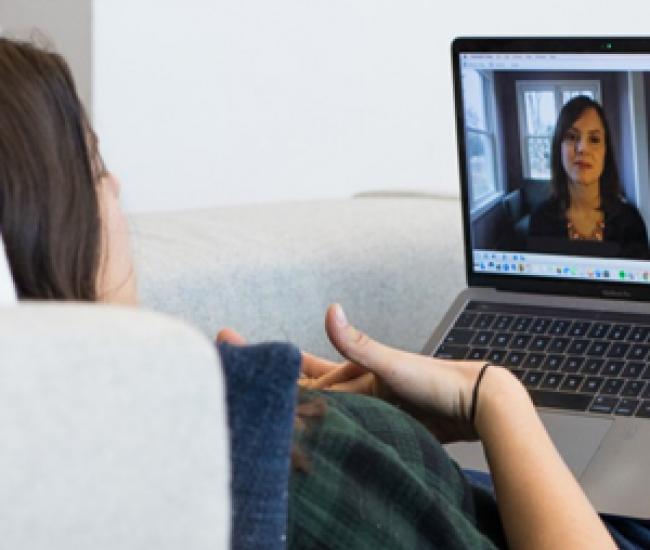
column 554, row 155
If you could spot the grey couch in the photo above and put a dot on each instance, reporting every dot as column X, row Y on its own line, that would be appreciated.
column 113, row 419
column 394, row 262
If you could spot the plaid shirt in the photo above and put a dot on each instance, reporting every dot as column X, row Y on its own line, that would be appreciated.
column 378, row 479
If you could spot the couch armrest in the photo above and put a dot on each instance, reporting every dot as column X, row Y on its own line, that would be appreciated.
column 114, row 431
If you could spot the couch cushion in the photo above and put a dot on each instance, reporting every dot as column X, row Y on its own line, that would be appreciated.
column 113, row 429
column 271, row 270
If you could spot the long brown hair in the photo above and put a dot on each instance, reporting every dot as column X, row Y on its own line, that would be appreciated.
column 610, row 189
column 49, row 212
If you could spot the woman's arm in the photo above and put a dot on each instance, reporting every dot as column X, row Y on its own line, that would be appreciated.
column 540, row 502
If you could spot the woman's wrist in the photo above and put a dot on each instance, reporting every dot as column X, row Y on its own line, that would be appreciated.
column 500, row 395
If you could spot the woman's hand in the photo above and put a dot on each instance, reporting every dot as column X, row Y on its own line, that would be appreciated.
column 436, row 392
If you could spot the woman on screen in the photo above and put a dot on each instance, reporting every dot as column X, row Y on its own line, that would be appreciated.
column 587, row 212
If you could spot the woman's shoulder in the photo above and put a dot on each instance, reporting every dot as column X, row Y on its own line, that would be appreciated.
column 550, row 207
column 623, row 212
column 547, row 219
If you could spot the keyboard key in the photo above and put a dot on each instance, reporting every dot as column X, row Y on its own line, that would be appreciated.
column 638, row 352
column 520, row 341
column 552, row 381
column 578, row 347
column 603, row 404
column 553, row 362
column 599, row 330
column 612, row 386
column 532, row 378
column 496, row 356
column 646, row 374
column 465, row 320
column 514, row 358
column 540, row 325
column 618, row 350
column 592, row 366
column 446, row 351
column 559, row 345
column 633, row 388
column 559, row 400
column 632, row 370
column 539, row 343
column 572, row 364
column 638, row 334
column 646, row 392
column 644, row 410
column 459, row 336
column 618, row 332
column 483, row 338
column 477, row 353
column 572, row 382
column 612, row 368
column 484, row 320
column 626, row 407
column 579, row 328
column 559, row 327
column 534, row 360
column 597, row 348
column 501, row 340
column 503, row 322
column 592, row 384
column 522, row 324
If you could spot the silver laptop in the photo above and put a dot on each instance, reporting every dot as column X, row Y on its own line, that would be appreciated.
column 559, row 289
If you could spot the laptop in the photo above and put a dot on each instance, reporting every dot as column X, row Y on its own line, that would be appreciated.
column 561, row 301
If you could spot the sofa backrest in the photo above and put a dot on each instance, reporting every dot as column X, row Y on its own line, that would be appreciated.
column 113, row 431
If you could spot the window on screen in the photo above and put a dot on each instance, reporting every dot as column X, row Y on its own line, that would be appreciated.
column 480, row 138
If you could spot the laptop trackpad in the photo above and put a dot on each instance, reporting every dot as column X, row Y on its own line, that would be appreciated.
column 576, row 437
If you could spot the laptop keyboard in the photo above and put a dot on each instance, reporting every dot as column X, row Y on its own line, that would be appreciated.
column 567, row 359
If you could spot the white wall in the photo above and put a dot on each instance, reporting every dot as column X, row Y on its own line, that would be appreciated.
column 205, row 102
column 65, row 24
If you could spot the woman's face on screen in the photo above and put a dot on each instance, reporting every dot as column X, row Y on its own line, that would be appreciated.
column 583, row 149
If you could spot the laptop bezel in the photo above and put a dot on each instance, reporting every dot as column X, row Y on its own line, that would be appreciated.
column 527, row 283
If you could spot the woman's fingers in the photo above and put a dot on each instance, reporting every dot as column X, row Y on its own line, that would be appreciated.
column 361, row 349
column 230, row 336
column 315, row 367
column 364, row 384
column 339, row 375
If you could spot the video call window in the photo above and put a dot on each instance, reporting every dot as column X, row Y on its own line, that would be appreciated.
column 538, row 136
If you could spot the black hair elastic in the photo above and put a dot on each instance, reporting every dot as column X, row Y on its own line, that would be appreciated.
column 472, row 410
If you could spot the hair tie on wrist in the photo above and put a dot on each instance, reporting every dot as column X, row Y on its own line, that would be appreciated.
column 472, row 410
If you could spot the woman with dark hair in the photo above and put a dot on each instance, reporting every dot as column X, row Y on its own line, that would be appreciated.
column 57, row 202
column 366, row 474
column 587, row 212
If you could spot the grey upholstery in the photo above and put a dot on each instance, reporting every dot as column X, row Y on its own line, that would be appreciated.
column 113, row 431
column 271, row 270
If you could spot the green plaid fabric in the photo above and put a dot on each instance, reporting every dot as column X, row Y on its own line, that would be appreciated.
column 377, row 479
